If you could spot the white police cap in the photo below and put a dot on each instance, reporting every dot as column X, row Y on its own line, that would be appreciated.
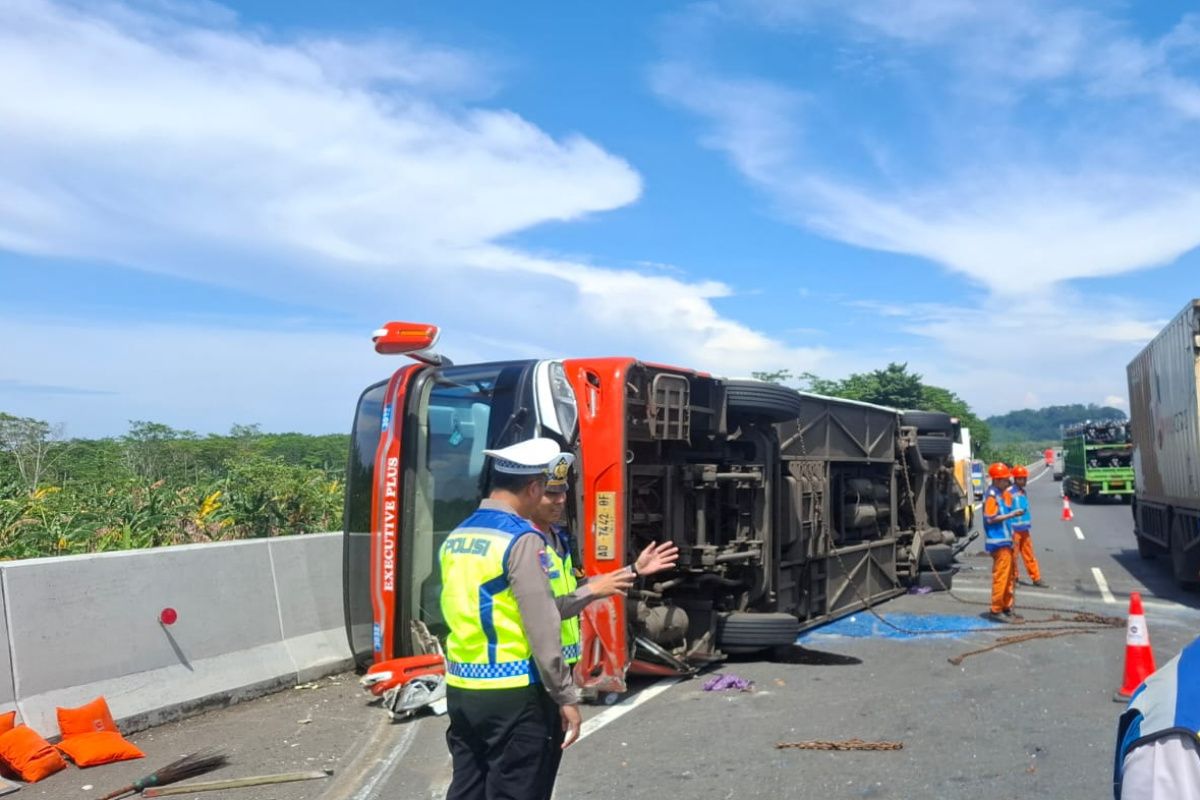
column 530, row 457
column 558, row 470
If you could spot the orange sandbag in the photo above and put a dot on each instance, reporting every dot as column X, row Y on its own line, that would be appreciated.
column 8, row 721
column 90, row 736
column 28, row 755
column 105, row 747
column 91, row 718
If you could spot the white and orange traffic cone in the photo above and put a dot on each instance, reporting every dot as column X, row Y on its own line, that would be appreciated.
column 1067, row 514
column 1139, row 658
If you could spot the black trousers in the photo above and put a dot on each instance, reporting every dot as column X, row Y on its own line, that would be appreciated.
column 553, row 759
column 500, row 742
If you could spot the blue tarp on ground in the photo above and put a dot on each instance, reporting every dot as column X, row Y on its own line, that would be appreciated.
column 862, row 625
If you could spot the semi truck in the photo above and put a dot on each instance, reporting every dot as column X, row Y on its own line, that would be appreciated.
column 789, row 509
column 1165, row 420
column 1098, row 461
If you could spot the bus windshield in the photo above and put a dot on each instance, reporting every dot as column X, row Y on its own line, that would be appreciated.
column 461, row 412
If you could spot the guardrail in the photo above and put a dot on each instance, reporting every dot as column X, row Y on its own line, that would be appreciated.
column 252, row 617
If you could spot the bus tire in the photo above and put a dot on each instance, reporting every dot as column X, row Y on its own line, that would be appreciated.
column 758, row 400
column 748, row 631
column 928, row 422
column 935, row 446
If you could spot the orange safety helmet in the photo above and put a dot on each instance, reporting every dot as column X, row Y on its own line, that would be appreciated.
column 1020, row 472
column 999, row 470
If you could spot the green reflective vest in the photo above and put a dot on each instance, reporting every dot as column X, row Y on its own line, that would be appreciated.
column 562, row 581
column 487, row 647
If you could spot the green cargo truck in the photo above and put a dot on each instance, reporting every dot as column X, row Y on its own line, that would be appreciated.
column 1098, row 460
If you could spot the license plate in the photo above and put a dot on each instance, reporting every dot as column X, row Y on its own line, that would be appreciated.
column 1117, row 484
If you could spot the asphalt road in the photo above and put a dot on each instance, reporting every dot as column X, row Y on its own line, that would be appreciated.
column 1035, row 719
column 1031, row 719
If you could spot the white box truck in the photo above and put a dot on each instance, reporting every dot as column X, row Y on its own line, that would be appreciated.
column 1165, row 420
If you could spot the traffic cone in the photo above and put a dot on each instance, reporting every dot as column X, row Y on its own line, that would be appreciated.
column 1139, row 658
column 1067, row 514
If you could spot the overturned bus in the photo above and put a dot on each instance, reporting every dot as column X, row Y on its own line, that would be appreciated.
column 789, row 509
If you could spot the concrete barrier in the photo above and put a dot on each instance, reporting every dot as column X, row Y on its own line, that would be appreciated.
column 253, row 616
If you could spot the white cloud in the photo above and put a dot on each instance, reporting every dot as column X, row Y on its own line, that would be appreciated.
column 1002, row 351
column 354, row 176
column 1054, row 197
column 121, row 142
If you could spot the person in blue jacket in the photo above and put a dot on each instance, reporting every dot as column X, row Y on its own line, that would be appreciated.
column 1158, row 735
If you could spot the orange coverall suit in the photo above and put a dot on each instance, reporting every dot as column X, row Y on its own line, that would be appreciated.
column 1022, row 541
column 998, row 542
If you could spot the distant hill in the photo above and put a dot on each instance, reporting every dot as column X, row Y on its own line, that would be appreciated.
column 1044, row 424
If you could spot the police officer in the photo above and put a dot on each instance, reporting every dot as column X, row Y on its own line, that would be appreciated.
column 998, row 511
column 573, row 592
column 508, row 688
column 1022, row 529
column 1158, row 736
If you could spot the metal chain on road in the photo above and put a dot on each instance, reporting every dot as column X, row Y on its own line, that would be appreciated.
column 844, row 744
column 1003, row 641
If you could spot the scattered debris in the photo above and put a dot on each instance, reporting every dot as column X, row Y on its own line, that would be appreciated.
column 402, row 702
column 921, row 590
column 845, row 744
column 721, row 683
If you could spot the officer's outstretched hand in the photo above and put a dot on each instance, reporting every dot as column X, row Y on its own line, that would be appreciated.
column 606, row 584
column 656, row 558
column 571, row 720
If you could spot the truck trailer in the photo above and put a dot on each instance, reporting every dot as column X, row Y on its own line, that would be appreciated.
column 1165, row 419
column 789, row 509
column 1098, row 461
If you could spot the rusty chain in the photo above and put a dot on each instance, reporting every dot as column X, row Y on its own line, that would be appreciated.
column 844, row 744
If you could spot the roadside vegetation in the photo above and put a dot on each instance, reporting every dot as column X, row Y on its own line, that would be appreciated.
column 1045, row 424
column 157, row 485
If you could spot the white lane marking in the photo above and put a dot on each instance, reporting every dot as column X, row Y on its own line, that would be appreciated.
column 1078, row 533
column 387, row 765
column 1103, row 584
column 1039, row 476
column 622, row 708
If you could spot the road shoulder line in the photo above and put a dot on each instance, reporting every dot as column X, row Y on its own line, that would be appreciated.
column 613, row 713
column 1103, row 586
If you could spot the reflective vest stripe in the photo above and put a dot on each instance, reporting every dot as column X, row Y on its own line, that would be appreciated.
column 487, row 607
column 506, row 669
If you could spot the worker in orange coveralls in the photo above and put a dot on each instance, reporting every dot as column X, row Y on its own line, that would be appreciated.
column 1021, row 526
column 999, row 510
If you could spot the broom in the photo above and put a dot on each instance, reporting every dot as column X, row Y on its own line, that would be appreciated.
column 187, row 767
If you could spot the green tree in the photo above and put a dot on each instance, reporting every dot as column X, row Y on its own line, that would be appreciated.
column 28, row 443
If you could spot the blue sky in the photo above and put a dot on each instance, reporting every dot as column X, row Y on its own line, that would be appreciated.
column 206, row 208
